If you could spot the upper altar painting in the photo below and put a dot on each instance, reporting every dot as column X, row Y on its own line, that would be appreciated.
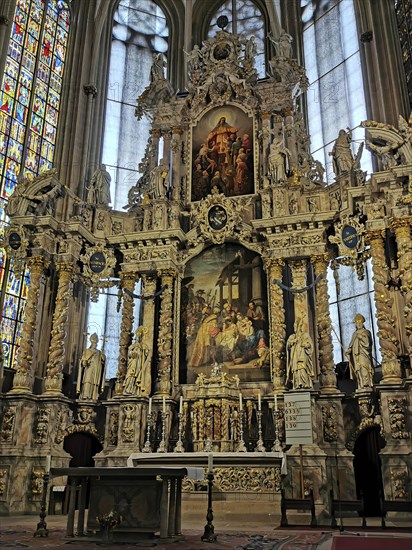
column 222, row 154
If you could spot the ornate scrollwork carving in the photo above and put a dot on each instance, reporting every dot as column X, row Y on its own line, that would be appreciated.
column 397, row 418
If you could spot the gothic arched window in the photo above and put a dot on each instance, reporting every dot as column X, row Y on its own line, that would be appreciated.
column 29, row 113
column 139, row 30
column 335, row 98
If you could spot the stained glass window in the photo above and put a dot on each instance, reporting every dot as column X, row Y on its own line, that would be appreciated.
column 139, row 30
column 29, row 113
column 245, row 19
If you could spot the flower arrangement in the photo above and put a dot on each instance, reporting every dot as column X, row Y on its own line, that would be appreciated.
column 110, row 520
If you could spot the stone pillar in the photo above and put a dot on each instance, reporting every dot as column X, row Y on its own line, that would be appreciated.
column 402, row 230
column 128, row 281
column 277, row 325
column 391, row 369
column 23, row 378
column 165, row 337
column 324, row 324
column 54, row 376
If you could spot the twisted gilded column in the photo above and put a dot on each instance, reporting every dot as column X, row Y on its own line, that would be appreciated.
column 23, row 377
column 324, row 324
column 402, row 230
column 386, row 324
column 54, row 375
column 299, row 269
column 128, row 281
column 165, row 337
column 277, row 322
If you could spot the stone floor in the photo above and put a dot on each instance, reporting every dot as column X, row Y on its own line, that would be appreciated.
column 232, row 533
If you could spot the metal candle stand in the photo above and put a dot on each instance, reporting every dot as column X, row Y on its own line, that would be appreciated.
column 209, row 533
column 260, row 448
column 179, row 445
column 277, row 447
column 162, row 447
column 42, row 530
column 147, row 446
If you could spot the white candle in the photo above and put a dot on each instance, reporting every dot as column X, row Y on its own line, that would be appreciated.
column 150, row 405
column 276, row 402
column 259, row 402
column 164, row 405
column 210, row 463
column 240, row 401
column 181, row 404
column 48, row 463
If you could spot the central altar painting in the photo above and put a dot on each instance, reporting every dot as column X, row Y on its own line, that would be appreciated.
column 223, row 158
column 224, row 315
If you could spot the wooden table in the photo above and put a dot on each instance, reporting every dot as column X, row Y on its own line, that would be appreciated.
column 148, row 499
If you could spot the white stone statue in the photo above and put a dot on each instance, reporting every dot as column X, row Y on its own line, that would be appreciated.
column 283, row 45
column 90, row 379
column 157, row 71
column 250, row 49
column 359, row 354
column 299, row 354
column 99, row 189
column 138, row 380
column 277, row 161
column 342, row 154
column 159, row 182
column 194, row 58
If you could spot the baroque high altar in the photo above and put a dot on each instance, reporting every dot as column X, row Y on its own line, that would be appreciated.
column 230, row 230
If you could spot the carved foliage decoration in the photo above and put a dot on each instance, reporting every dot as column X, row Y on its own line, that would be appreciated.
column 257, row 480
column 329, row 419
column 42, row 427
column 37, row 481
column 113, row 427
column 399, row 480
column 4, row 473
column 397, row 418
column 7, row 427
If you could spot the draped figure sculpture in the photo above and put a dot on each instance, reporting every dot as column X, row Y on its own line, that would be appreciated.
column 359, row 353
column 99, row 189
column 299, row 353
column 138, row 380
column 90, row 380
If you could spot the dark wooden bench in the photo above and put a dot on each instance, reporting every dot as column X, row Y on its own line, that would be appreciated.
column 297, row 504
column 338, row 506
column 394, row 506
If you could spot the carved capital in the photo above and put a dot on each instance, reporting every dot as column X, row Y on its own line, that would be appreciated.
column 90, row 90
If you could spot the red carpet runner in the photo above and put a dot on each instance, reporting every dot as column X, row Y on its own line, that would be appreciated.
column 371, row 543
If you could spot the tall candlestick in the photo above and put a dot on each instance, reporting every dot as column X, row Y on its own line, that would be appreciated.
column 276, row 402
column 259, row 402
column 210, row 463
column 150, row 405
column 240, row 401
column 181, row 405
column 164, row 405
